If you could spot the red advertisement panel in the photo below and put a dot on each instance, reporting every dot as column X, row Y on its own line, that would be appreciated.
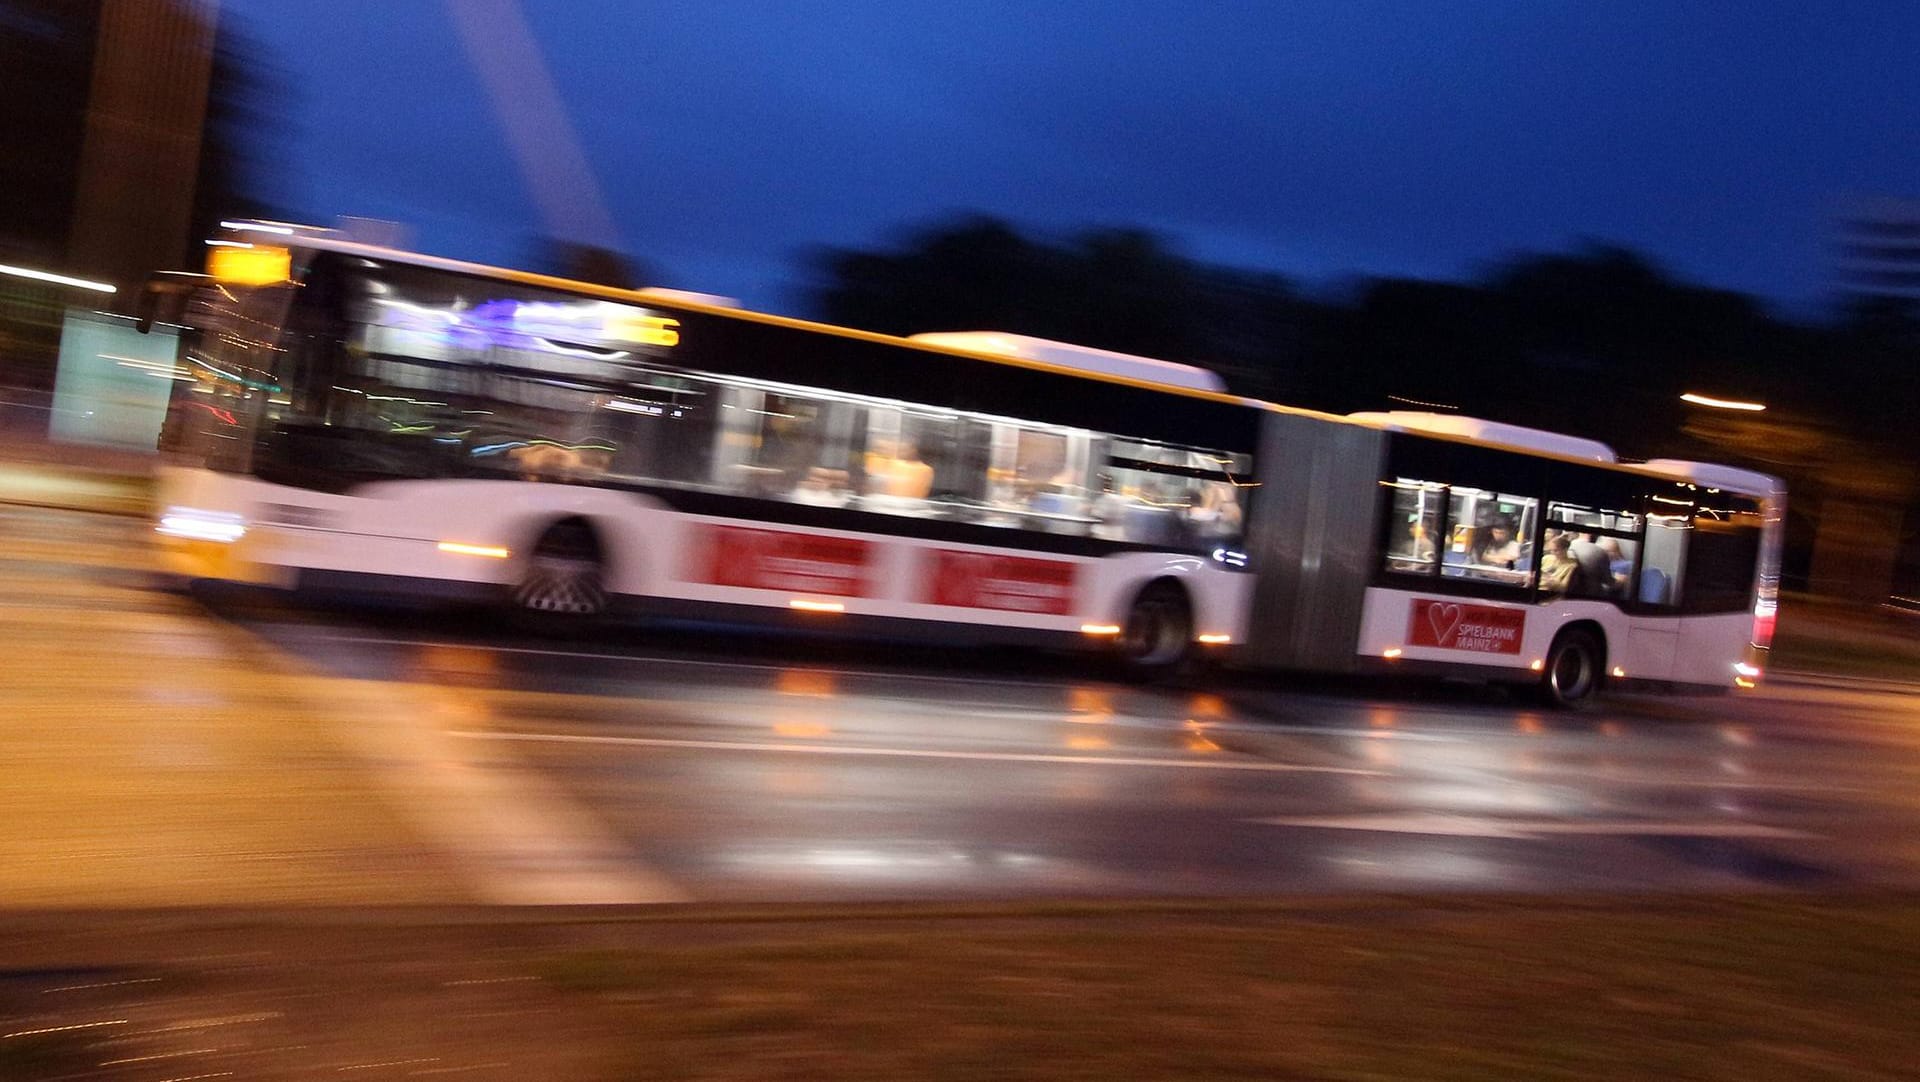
column 979, row 580
column 1458, row 625
column 777, row 560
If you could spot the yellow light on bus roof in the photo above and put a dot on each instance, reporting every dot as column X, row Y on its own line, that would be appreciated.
column 258, row 265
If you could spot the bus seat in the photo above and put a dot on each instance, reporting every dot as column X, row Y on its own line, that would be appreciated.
column 1653, row 585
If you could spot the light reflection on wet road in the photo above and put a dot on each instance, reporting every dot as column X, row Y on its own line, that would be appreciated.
column 743, row 768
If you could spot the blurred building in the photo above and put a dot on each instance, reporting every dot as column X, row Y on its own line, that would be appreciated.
column 140, row 159
column 106, row 109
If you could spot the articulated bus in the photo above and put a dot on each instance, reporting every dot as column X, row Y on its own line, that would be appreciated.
column 347, row 417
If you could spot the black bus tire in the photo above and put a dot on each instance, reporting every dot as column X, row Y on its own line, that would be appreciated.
column 1157, row 639
column 1575, row 670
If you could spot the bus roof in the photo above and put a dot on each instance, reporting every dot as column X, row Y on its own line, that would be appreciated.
column 1078, row 358
column 1492, row 432
column 1713, row 475
column 1147, row 375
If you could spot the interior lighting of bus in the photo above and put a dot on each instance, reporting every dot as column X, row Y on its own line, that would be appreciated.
column 1213, row 639
column 56, row 279
column 250, row 266
column 1099, row 629
column 816, row 606
column 461, row 548
column 1721, row 403
column 195, row 524
column 1391, row 652
column 651, row 409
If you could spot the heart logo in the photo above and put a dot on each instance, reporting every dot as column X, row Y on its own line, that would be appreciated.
column 1444, row 619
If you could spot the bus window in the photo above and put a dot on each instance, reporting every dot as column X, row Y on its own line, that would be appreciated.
column 1589, row 551
column 1723, row 553
column 1492, row 536
column 1154, row 494
column 1663, row 565
column 1414, row 525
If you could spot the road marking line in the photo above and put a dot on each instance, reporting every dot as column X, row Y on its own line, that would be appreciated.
column 912, row 753
column 375, row 640
column 1473, row 826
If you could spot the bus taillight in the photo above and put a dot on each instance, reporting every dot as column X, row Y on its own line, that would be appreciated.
column 1764, row 612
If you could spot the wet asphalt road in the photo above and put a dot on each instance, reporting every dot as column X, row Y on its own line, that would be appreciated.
column 164, row 751
column 729, row 767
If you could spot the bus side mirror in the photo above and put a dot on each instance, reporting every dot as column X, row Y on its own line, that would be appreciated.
column 164, row 299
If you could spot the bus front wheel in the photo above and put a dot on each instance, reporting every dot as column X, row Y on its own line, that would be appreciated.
column 563, row 582
column 1573, row 670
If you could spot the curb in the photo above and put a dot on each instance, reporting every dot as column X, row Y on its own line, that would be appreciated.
column 70, row 489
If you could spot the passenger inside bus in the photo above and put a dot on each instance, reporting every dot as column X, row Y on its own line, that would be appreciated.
column 1593, row 568
column 1494, row 545
column 1557, row 566
column 895, row 472
column 822, row 487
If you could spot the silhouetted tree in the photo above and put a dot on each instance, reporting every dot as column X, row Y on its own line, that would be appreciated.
column 1598, row 341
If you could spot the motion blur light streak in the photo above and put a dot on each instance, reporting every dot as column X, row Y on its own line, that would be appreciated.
column 257, row 227
column 460, row 548
column 194, row 524
column 1721, row 403
column 816, row 606
column 1099, row 629
column 56, row 279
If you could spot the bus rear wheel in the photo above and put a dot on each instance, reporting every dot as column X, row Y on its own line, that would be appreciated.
column 1573, row 671
column 563, row 582
column 1158, row 635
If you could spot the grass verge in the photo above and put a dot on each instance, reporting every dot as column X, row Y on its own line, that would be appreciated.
column 1737, row 990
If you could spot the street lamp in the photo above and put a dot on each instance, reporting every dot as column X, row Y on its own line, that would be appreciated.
column 1722, row 403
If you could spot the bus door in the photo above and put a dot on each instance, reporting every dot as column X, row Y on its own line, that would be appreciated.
column 1653, row 629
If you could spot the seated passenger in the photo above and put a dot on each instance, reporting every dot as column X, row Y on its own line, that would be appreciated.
column 1556, row 567
column 895, row 470
column 1419, row 545
column 1494, row 544
column 1617, row 564
column 1217, row 515
column 822, row 487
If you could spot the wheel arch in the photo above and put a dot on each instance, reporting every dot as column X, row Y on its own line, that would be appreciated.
column 1593, row 628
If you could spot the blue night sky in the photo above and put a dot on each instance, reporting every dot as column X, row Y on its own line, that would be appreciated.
column 1320, row 140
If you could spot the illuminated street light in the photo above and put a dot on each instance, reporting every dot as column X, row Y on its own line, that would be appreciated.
column 1722, row 403
column 56, row 279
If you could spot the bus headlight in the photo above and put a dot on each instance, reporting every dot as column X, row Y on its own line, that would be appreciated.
column 196, row 524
